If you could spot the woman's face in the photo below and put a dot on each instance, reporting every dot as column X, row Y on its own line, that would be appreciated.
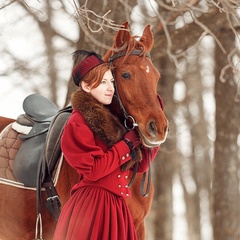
column 105, row 90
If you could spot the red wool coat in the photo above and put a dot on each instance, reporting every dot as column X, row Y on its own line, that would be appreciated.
column 96, row 209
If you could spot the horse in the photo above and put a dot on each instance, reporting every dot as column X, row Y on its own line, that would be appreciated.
column 137, row 104
column 5, row 121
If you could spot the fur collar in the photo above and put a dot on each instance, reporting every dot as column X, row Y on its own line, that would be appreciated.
column 100, row 120
column 103, row 123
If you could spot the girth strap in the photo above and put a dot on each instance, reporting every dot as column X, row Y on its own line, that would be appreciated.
column 53, row 203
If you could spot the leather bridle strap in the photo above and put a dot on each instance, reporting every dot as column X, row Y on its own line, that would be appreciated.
column 135, row 168
column 126, row 115
column 134, row 124
column 134, row 52
column 143, row 180
column 146, row 193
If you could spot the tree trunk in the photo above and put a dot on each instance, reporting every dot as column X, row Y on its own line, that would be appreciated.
column 226, row 218
column 165, row 164
column 104, row 38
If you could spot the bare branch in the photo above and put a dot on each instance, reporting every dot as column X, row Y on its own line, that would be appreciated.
column 169, row 41
column 206, row 29
column 102, row 23
column 6, row 4
column 229, row 65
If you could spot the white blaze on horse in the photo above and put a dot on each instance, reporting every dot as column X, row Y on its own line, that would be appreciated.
column 136, row 104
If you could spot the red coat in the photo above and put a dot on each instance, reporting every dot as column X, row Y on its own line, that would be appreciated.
column 96, row 209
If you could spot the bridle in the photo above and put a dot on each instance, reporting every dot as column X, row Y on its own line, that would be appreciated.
column 127, row 117
column 134, row 123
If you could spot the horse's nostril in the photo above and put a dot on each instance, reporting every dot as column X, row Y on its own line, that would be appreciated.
column 152, row 128
column 166, row 129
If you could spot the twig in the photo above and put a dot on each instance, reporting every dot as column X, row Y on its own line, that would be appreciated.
column 229, row 65
column 7, row 4
column 82, row 14
column 169, row 40
column 102, row 23
column 206, row 29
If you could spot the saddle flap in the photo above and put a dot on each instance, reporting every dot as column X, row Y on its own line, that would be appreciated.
column 28, row 160
column 52, row 147
column 39, row 107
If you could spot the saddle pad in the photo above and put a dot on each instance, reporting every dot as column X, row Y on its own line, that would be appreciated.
column 9, row 145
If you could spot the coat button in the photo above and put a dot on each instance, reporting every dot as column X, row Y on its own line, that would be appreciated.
column 127, row 195
column 127, row 155
column 119, row 176
column 119, row 186
column 123, row 158
column 121, row 193
column 126, row 186
column 126, row 177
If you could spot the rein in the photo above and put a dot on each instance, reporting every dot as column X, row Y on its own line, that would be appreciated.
column 134, row 124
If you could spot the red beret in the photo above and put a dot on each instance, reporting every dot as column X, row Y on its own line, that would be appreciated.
column 84, row 67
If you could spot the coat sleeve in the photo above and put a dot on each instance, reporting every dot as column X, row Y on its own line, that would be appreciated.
column 147, row 153
column 81, row 152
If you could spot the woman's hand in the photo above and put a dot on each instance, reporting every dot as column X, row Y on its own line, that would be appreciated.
column 132, row 139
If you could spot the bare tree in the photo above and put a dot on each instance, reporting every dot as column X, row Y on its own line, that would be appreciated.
column 226, row 218
column 202, row 155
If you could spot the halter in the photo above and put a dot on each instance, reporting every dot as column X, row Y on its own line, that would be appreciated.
column 126, row 115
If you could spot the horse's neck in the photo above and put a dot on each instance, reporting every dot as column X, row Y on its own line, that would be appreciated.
column 4, row 122
column 115, row 109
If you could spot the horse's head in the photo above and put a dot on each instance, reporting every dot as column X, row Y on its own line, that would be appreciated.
column 136, row 86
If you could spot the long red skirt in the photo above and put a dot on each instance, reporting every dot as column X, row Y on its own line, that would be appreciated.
column 95, row 214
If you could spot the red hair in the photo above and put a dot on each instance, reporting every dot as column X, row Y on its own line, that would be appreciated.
column 94, row 77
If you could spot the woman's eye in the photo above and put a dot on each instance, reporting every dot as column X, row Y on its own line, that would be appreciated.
column 126, row 75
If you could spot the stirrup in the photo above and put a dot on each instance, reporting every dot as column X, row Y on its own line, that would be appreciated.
column 38, row 224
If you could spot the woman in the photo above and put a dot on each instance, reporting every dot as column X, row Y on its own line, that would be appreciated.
column 97, row 145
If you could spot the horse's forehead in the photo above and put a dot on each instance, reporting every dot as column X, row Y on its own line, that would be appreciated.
column 140, row 65
column 149, row 69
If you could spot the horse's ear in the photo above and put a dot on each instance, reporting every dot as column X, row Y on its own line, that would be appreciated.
column 147, row 38
column 122, row 36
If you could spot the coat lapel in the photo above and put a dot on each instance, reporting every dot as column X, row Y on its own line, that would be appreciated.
column 98, row 117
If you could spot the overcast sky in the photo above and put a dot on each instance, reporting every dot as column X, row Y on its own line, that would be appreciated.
column 20, row 35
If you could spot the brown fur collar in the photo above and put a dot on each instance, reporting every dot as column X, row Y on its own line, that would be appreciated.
column 102, row 122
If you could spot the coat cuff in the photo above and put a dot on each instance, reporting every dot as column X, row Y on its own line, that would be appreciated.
column 123, row 152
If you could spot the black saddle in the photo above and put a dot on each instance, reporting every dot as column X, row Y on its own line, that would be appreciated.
column 39, row 111
column 40, row 150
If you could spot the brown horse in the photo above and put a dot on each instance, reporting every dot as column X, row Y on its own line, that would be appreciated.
column 4, row 122
column 136, row 82
column 139, row 105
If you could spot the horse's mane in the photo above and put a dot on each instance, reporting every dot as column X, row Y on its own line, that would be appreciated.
column 133, row 44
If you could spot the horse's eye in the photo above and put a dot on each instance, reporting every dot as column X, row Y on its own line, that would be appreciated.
column 126, row 75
